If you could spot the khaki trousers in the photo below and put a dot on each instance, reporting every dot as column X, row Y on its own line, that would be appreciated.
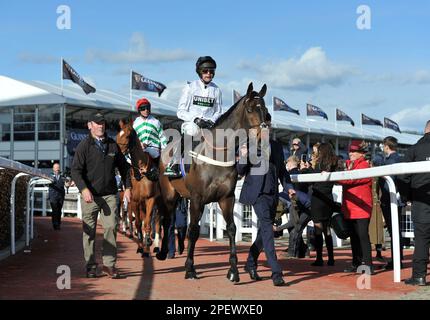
column 107, row 206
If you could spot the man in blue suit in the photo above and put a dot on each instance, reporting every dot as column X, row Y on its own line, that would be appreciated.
column 261, row 191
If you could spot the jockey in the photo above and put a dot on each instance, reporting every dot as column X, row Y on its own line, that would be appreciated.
column 199, row 106
column 149, row 131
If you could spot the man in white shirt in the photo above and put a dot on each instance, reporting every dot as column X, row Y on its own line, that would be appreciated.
column 199, row 106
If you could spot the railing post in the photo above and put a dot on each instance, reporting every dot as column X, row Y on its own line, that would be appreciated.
column 43, row 203
column 219, row 224
column 79, row 209
column 395, row 228
column 254, row 225
column 28, row 212
column 211, row 221
column 12, row 211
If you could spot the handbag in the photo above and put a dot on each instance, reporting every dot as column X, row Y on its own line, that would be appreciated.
column 340, row 226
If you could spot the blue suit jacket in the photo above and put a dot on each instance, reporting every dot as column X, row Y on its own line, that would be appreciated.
column 253, row 184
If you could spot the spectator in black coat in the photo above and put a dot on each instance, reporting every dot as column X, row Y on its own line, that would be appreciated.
column 416, row 188
column 56, row 196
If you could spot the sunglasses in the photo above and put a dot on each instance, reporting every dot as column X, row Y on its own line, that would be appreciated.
column 143, row 108
column 211, row 71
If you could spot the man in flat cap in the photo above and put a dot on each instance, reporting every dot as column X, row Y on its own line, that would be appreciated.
column 93, row 171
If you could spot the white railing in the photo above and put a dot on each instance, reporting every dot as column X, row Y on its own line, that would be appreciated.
column 23, row 171
column 385, row 172
column 71, row 205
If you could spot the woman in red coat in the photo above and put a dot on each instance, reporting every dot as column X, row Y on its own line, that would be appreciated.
column 357, row 205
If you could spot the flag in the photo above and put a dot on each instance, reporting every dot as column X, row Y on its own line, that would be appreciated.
column 388, row 123
column 280, row 105
column 342, row 116
column 315, row 111
column 71, row 74
column 139, row 82
column 236, row 96
column 371, row 122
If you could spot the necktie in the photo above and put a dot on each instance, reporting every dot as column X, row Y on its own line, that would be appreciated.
column 100, row 145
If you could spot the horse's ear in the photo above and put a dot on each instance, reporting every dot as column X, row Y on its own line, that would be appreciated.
column 250, row 89
column 263, row 90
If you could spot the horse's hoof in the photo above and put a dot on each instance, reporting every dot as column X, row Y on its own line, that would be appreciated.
column 148, row 242
column 233, row 276
column 145, row 255
column 139, row 250
column 156, row 250
column 161, row 256
column 191, row 275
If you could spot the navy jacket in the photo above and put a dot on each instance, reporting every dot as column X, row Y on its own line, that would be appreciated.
column 56, row 189
column 267, row 183
column 385, row 191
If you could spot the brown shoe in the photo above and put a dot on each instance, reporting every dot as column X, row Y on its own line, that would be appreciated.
column 112, row 272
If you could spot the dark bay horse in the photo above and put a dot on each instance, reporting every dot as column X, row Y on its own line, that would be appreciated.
column 206, row 183
column 144, row 192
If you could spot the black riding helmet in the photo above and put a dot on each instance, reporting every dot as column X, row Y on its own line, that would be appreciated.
column 205, row 62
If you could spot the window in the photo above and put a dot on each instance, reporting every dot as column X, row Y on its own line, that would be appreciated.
column 49, row 122
column 5, row 121
column 24, row 121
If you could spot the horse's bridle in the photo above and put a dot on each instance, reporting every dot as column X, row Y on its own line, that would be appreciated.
column 127, row 152
column 262, row 125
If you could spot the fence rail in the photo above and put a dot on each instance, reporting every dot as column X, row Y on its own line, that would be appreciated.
column 23, row 170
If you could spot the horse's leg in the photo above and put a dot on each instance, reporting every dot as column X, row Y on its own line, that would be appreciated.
column 130, row 219
column 157, row 231
column 196, row 212
column 166, row 209
column 135, row 205
column 227, row 206
column 122, row 213
column 147, row 218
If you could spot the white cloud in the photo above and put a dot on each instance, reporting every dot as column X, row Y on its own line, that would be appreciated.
column 38, row 58
column 138, row 51
column 419, row 77
column 312, row 70
column 412, row 118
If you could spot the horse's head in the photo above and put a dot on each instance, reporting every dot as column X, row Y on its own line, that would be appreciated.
column 254, row 109
column 123, row 138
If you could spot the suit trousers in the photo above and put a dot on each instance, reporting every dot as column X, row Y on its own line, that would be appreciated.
column 264, row 208
column 107, row 205
column 56, row 207
column 421, row 251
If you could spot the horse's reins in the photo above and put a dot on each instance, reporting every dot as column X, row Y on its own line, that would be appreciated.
column 261, row 125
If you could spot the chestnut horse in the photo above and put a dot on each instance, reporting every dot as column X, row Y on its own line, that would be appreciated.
column 206, row 182
column 144, row 192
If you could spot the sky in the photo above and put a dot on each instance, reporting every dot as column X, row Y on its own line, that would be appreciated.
column 305, row 51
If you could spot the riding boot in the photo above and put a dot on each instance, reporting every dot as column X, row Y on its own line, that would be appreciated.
column 319, row 248
column 172, row 168
column 330, row 253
